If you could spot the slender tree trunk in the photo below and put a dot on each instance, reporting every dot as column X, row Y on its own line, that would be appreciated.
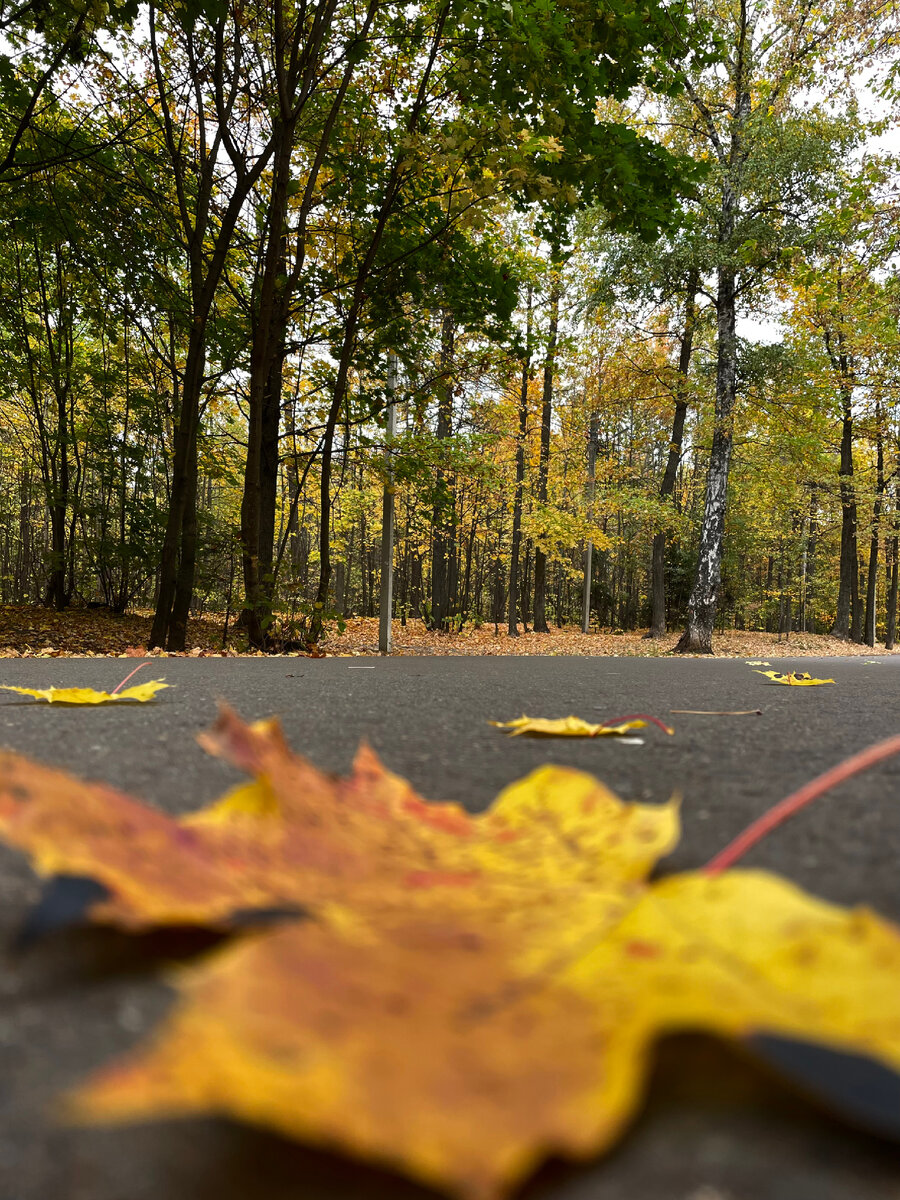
column 58, row 336
column 388, row 506
column 540, row 558
column 890, row 629
column 701, row 608
column 872, row 578
column 56, row 590
column 845, row 617
column 667, row 487
column 121, row 595
column 443, row 519
column 701, row 613
column 588, row 575
column 187, row 561
column 339, row 396
column 269, row 319
column 183, row 493
column 525, row 589
column 809, row 623
column 512, row 616
column 270, row 462
column 56, row 585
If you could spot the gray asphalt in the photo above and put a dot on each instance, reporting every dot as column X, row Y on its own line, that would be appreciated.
column 723, row 1132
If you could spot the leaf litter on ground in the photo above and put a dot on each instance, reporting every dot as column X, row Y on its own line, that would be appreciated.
column 459, row 995
column 31, row 631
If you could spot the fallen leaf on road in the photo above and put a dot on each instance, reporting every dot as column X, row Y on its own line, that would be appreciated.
column 754, row 662
column 565, row 727
column 75, row 695
column 460, row 995
column 801, row 679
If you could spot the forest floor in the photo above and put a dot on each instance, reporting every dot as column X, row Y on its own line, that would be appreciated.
column 29, row 630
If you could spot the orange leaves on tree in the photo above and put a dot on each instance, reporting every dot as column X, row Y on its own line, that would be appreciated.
column 459, row 995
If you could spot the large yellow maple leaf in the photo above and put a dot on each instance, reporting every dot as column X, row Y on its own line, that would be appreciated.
column 140, row 693
column 458, row 996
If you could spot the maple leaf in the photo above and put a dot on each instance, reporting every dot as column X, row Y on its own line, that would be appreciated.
column 793, row 679
column 569, row 727
column 141, row 693
column 463, row 994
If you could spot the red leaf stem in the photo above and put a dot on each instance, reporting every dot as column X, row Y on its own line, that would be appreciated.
column 639, row 717
column 786, row 808
column 128, row 676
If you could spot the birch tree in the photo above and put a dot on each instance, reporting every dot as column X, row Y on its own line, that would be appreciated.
column 766, row 150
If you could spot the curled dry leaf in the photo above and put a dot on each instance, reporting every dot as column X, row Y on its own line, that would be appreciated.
column 793, row 679
column 140, row 693
column 565, row 727
column 463, row 995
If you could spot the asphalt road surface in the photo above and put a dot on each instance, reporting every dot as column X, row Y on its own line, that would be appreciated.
column 715, row 1127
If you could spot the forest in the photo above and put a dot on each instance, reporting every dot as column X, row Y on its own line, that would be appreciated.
column 599, row 297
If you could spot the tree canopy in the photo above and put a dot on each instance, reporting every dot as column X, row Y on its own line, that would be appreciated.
column 559, row 219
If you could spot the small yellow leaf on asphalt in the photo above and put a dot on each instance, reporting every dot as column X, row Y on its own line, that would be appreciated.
column 756, row 662
column 565, row 727
column 801, row 679
column 76, row 695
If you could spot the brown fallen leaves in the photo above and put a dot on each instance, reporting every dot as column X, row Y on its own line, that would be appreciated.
column 456, row 995
column 28, row 630
column 361, row 637
column 33, row 631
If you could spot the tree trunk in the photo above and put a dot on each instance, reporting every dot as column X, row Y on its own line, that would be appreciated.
column 498, row 593
column 269, row 321
column 540, row 558
column 890, row 625
column 872, row 578
column 512, row 616
column 270, row 462
column 56, row 584
column 701, row 608
column 443, row 519
column 667, row 487
column 588, row 572
column 183, row 494
column 187, row 561
column 845, row 617
column 701, row 612
column 809, row 623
